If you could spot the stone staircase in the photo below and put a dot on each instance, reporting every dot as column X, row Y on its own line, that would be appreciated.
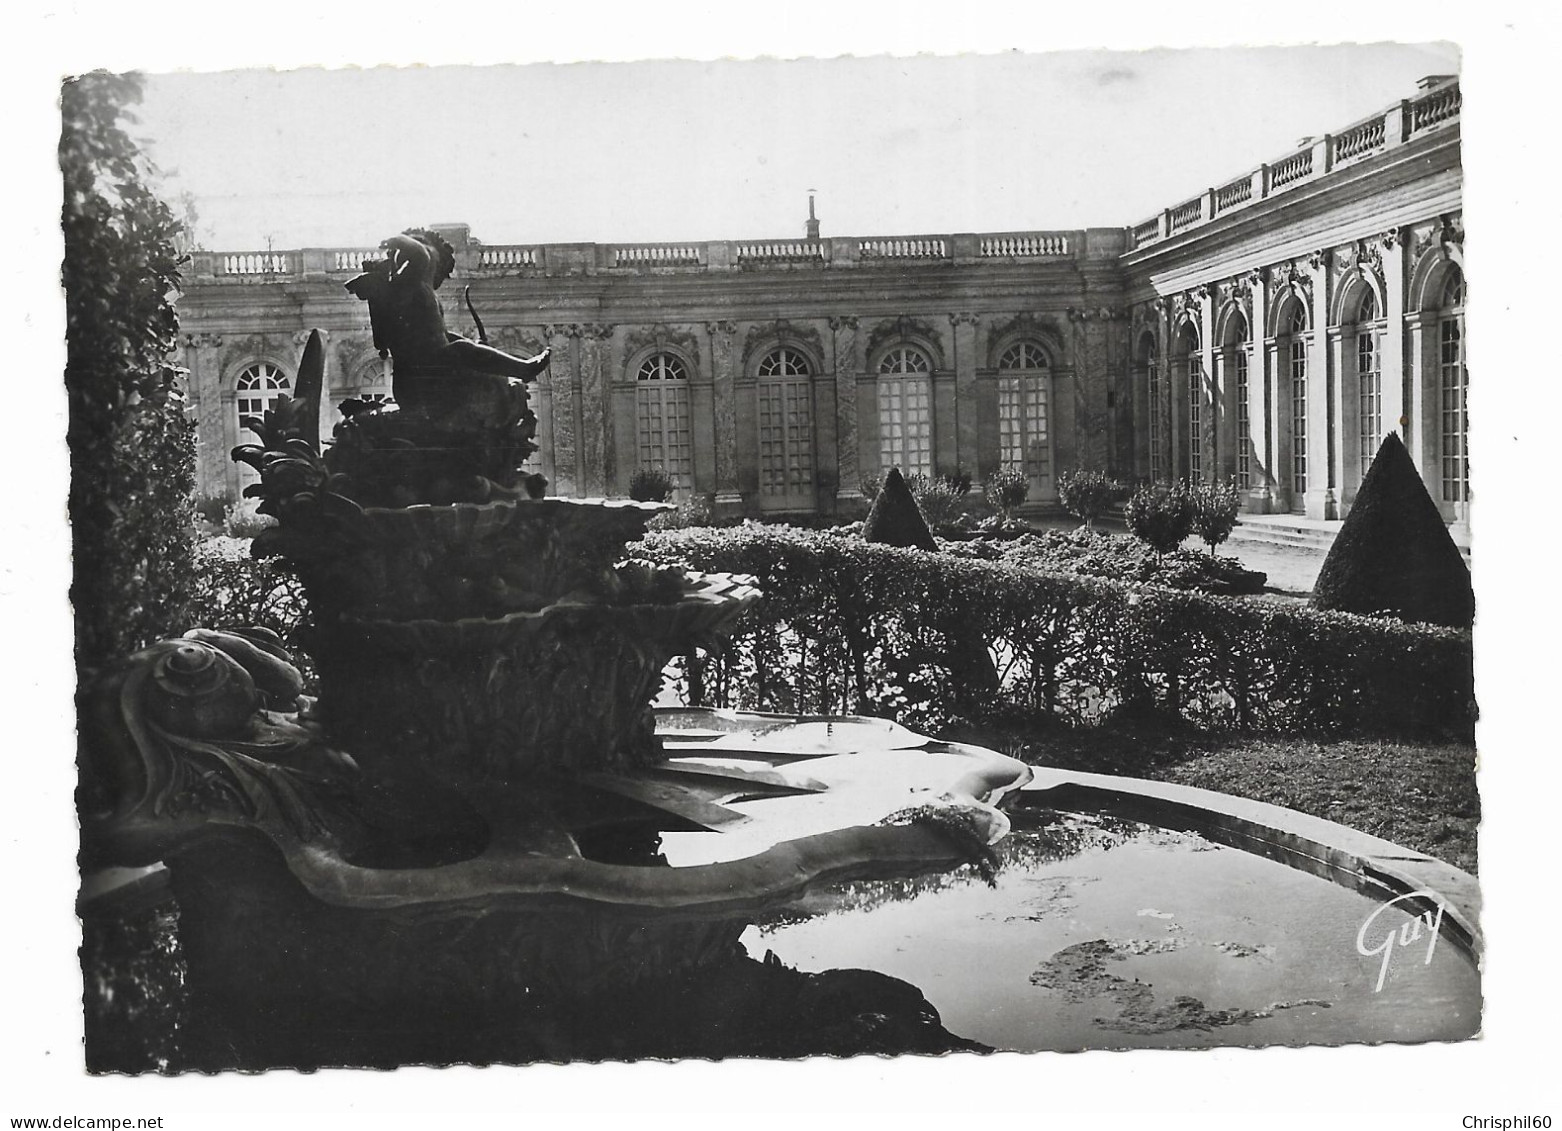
column 1317, row 534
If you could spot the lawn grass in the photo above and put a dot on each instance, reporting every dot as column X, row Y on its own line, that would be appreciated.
column 1420, row 795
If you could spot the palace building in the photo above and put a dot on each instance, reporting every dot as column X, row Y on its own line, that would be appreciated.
column 1268, row 330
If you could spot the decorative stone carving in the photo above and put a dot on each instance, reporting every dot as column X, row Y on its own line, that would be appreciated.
column 906, row 329
column 762, row 333
column 202, row 340
column 725, row 406
column 660, row 337
column 1024, row 325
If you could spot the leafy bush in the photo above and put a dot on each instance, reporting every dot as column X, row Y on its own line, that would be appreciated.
column 697, row 511
column 939, row 499
column 1007, row 488
column 231, row 589
column 132, row 450
column 1087, row 495
column 1160, row 516
column 1094, row 553
column 853, row 626
column 1215, row 510
column 871, row 486
column 650, row 485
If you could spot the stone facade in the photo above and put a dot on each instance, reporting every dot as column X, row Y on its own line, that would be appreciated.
column 1268, row 330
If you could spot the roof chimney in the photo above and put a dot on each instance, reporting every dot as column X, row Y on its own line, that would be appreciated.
column 813, row 222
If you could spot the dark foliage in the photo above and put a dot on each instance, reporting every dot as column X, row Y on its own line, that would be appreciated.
column 650, row 485
column 1394, row 555
column 1161, row 516
column 131, row 447
column 895, row 519
column 841, row 617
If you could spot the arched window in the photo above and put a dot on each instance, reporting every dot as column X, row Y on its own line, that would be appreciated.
column 1369, row 378
column 1294, row 352
column 259, row 386
column 1024, row 435
column 906, row 411
column 1453, row 384
column 1155, row 388
column 1188, row 339
column 786, row 431
column 662, row 419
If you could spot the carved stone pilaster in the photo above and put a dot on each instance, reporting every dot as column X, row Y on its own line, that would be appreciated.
column 596, row 437
column 843, row 342
column 725, row 407
column 565, row 388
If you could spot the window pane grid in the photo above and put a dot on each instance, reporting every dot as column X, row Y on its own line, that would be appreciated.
column 786, row 455
column 1298, row 360
column 1244, row 419
column 1195, row 418
column 1453, row 387
column 663, row 420
column 259, row 387
column 905, row 423
column 1369, row 374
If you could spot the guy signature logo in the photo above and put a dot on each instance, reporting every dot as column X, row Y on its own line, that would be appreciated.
column 1406, row 935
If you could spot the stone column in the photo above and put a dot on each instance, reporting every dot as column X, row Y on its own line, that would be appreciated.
column 965, row 395
column 213, row 405
column 1261, row 400
column 1322, row 399
column 596, row 432
column 729, row 500
column 1214, row 391
column 566, row 410
column 843, row 359
column 1392, row 359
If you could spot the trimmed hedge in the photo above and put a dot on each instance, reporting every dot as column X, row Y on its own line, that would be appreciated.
column 850, row 626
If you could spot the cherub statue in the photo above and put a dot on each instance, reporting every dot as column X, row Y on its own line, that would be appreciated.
column 406, row 317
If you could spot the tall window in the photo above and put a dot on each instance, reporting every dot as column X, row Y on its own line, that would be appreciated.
column 662, row 419
column 906, row 411
column 1155, row 388
column 1244, row 416
column 1189, row 340
column 1023, row 433
column 1295, row 353
column 1453, row 383
column 1369, row 376
column 786, row 430
column 259, row 386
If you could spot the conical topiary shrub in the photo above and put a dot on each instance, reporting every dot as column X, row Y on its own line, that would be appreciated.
column 895, row 519
column 1394, row 554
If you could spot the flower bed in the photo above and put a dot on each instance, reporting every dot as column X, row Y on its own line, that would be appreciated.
column 1094, row 553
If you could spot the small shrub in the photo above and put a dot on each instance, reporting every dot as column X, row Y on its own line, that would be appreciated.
column 940, row 501
column 1160, row 516
column 1007, row 488
column 650, row 485
column 1087, row 495
column 870, row 486
column 1215, row 509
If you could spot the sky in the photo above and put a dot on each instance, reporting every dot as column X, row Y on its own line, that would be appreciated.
column 726, row 149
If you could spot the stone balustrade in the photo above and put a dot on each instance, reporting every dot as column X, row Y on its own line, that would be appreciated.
column 909, row 247
column 1024, row 245
column 475, row 260
column 1313, row 158
column 783, row 251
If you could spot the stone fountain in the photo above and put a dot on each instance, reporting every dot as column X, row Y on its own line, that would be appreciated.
column 463, row 826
